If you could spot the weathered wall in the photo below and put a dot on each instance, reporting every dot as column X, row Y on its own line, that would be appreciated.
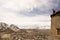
column 55, row 23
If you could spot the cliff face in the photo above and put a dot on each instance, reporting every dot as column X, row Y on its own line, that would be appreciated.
column 12, row 32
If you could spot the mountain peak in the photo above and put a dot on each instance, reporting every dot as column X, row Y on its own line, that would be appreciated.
column 3, row 26
column 14, row 27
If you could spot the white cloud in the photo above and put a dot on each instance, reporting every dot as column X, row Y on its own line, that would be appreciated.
column 28, row 5
column 9, row 12
column 39, row 19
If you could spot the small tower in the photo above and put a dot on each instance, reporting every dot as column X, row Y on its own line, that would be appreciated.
column 55, row 25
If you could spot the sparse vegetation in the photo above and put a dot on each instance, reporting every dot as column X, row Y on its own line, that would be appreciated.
column 22, row 34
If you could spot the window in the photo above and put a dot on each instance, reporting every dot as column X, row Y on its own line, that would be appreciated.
column 58, row 31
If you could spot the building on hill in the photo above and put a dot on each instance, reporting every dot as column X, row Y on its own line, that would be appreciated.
column 55, row 25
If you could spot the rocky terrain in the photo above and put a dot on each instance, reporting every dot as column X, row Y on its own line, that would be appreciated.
column 12, row 32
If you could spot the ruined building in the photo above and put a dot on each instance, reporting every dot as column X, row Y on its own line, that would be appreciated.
column 55, row 25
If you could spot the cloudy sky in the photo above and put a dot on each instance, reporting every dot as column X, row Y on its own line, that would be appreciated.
column 27, row 12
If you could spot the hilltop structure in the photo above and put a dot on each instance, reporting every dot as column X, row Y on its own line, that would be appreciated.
column 55, row 25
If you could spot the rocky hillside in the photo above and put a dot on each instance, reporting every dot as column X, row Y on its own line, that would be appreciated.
column 4, row 26
column 12, row 32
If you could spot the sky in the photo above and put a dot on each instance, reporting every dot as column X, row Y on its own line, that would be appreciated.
column 28, row 12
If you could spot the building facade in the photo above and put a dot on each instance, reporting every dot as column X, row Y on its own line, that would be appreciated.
column 55, row 25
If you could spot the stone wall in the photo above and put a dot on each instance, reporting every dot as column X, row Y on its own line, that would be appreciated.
column 55, row 24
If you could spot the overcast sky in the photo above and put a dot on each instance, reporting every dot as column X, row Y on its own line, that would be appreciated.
column 27, row 12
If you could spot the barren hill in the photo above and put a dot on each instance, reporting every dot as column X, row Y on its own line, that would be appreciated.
column 14, row 33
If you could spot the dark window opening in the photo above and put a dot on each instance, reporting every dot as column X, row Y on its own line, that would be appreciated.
column 58, row 31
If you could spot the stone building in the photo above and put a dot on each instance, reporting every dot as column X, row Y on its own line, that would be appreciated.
column 55, row 25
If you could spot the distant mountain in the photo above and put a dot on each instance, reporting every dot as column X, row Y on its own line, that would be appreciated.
column 13, row 27
column 3, row 26
column 17, row 34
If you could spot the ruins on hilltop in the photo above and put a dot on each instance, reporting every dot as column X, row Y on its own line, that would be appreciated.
column 55, row 25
